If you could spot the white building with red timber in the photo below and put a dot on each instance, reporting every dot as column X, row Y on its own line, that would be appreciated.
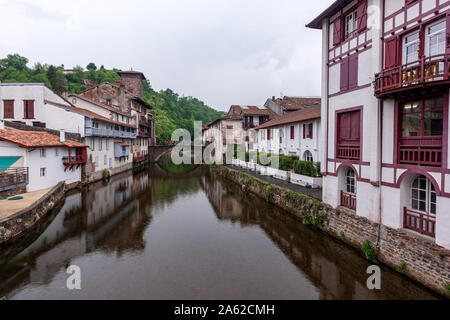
column 385, row 100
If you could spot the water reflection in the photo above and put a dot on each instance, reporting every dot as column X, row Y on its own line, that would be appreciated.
column 156, row 235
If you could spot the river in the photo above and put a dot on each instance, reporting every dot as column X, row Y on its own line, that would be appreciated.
column 156, row 235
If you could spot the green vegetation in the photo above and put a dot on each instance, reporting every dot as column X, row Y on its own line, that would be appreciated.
column 307, row 168
column 170, row 110
column 447, row 288
column 369, row 250
column 168, row 166
column 441, row 255
column 402, row 267
column 105, row 174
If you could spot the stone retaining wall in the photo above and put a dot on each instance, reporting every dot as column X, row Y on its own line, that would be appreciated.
column 425, row 261
column 17, row 225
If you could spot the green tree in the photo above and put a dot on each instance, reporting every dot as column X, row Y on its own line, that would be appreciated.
column 91, row 66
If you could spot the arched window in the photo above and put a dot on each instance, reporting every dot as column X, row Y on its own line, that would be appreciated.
column 350, row 183
column 423, row 195
column 307, row 156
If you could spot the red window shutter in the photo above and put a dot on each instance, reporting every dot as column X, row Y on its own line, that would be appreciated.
column 304, row 131
column 344, row 74
column 8, row 109
column 362, row 15
column 344, row 126
column 31, row 109
column 337, row 33
column 391, row 47
column 268, row 134
column 292, row 133
column 355, row 125
column 310, row 130
column 353, row 71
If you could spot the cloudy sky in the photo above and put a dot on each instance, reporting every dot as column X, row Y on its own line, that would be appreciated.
column 222, row 51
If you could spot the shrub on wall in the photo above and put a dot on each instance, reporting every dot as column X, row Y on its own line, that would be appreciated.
column 306, row 168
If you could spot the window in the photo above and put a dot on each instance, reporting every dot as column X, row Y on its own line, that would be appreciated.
column 96, row 161
column 411, row 48
column 230, row 127
column 42, row 152
column 100, row 144
column 107, row 144
column 348, row 135
column 423, row 195
column 292, row 132
column 423, row 118
column 349, row 73
column 28, row 106
column 110, row 162
column 92, row 145
column 308, row 156
column 350, row 183
column 435, row 41
column 8, row 109
column 307, row 131
column 105, row 160
column 43, row 172
column 351, row 24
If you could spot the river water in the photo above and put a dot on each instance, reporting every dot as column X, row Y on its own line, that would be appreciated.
column 156, row 235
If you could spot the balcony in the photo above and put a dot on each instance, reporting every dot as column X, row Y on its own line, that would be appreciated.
column 139, row 158
column 143, row 121
column 121, row 150
column 78, row 158
column 348, row 151
column 420, row 222
column 12, row 178
column 420, row 152
column 348, row 200
column 427, row 72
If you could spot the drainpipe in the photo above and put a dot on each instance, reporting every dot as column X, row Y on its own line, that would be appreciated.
column 380, row 128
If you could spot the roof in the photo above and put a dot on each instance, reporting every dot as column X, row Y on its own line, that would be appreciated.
column 123, row 144
column 335, row 7
column 135, row 97
column 36, row 139
column 105, row 106
column 131, row 72
column 296, row 116
column 89, row 114
column 251, row 111
column 5, row 84
column 297, row 103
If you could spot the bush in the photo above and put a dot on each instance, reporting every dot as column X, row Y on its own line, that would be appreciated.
column 286, row 163
column 105, row 174
column 305, row 168
column 369, row 250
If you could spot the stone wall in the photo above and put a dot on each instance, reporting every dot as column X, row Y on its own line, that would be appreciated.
column 89, row 174
column 425, row 261
column 17, row 225
column 13, row 192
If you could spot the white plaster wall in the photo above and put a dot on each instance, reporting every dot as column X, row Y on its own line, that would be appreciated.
column 391, row 214
column 443, row 222
column 368, row 201
column 55, row 169
column 330, row 191
column 55, row 117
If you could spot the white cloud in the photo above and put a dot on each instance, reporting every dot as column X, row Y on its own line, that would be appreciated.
column 221, row 51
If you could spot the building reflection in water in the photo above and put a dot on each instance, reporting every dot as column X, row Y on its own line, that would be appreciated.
column 335, row 269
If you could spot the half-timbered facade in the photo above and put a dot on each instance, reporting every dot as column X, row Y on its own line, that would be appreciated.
column 385, row 97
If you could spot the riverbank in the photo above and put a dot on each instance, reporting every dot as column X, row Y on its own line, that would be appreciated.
column 24, row 216
column 415, row 256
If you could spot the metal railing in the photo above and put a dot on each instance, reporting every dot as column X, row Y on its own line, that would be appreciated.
column 11, row 178
column 419, row 221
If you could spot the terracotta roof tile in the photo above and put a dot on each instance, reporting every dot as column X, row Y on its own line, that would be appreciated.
column 296, row 116
column 36, row 139
column 89, row 114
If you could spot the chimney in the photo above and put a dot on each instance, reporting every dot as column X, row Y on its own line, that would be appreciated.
column 2, row 124
column 62, row 135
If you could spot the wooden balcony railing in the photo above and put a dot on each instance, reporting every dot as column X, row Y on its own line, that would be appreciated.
column 420, row 222
column 67, row 161
column 11, row 178
column 420, row 155
column 348, row 200
column 347, row 151
column 425, row 71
